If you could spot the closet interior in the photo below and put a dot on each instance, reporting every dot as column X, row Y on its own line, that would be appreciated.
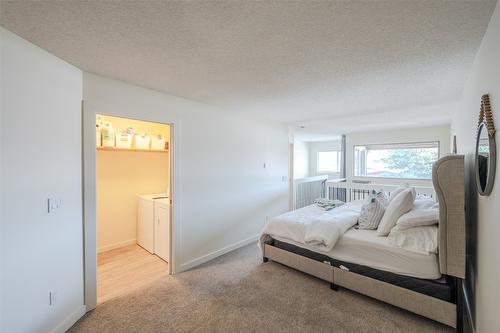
column 133, row 208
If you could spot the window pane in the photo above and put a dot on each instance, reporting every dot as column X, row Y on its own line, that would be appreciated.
column 412, row 161
column 328, row 161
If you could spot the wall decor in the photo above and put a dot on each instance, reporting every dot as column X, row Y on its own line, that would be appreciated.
column 485, row 159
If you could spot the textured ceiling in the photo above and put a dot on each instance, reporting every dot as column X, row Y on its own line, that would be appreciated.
column 293, row 61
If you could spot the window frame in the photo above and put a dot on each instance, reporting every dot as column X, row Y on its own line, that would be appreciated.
column 391, row 143
column 339, row 157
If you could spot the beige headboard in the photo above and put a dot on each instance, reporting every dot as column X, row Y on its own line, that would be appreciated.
column 449, row 183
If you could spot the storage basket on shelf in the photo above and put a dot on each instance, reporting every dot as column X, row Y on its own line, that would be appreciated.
column 157, row 143
column 142, row 141
column 124, row 140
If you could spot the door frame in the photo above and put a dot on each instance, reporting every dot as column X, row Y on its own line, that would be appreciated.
column 291, row 183
column 89, row 197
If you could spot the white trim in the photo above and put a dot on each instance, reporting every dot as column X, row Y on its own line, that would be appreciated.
column 89, row 208
column 116, row 245
column 310, row 179
column 203, row 259
column 89, row 202
column 70, row 320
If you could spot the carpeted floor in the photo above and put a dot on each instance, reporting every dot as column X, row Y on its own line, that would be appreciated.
column 238, row 293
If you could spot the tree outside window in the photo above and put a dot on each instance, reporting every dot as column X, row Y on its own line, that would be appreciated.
column 408, row 160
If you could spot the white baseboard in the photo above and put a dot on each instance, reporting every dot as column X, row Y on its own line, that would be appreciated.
column 116, row 245
column 203, row 259
column 70, row 320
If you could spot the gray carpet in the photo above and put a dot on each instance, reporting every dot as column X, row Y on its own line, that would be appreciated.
column 238, row 293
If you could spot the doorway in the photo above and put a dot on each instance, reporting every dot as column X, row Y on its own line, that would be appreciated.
column 133, row 204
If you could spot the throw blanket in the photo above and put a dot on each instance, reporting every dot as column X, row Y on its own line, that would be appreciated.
column 328, row 204
column 312, row 226
column 324, row 232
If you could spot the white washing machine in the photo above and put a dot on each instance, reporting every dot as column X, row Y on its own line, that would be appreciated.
column 162, row 228
column 153, row 224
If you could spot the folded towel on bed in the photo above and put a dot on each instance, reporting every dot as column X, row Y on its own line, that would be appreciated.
column 324, row 231
column 328, row 204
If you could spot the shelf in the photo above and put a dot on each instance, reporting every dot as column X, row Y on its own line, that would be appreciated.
column 133, row 149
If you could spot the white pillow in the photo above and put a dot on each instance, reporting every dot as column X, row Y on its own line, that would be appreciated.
column 397, row 191
column 418, row 217
column 423, row 240
column 400, row 204
column 423, row 203
column 372, row 210
column 401, row 189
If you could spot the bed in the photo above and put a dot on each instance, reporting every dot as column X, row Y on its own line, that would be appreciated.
column 426, row 284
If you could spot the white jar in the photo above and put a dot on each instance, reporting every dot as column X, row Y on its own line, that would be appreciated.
column 108, row 135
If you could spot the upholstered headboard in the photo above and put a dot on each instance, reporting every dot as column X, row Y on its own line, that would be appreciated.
column 449, row 183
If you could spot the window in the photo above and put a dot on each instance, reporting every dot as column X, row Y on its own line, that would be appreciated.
column 328, row 161
column 399, row 160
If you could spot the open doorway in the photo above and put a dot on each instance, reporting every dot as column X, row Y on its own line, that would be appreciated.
column 133, row 204
column 314, row 163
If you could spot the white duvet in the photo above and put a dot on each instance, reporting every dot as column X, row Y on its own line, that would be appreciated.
column 313, row 226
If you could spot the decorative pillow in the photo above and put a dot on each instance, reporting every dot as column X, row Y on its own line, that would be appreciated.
column 423, row 240
column 413, row 193
column 399, row 205
column 400, row 189
column 382, row 197
column 372, row 211
column 418, row 217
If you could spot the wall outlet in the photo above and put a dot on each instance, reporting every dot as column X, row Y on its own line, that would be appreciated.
column 52, row 298
column 53, row 204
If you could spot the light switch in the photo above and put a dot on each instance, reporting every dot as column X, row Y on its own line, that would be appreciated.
column 52, row 298
column 53, row 204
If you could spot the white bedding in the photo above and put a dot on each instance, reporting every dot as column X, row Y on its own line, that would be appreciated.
column 423, row 239
column 363, row 247
column 314, row 226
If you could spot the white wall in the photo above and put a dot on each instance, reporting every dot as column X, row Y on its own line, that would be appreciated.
column 41, row 158
column 314, row 148
column 484, row 78
column 222, row 192
column 300, row 159
column 435, row 133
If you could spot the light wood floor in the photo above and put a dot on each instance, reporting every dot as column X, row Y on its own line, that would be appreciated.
column 123, row 270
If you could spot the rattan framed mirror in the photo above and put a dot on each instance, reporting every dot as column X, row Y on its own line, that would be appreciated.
column 485, row 159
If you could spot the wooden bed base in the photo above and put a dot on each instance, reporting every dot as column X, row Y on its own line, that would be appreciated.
column 424, row 305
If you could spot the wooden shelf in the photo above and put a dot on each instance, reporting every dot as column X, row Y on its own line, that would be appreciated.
column 133, row 149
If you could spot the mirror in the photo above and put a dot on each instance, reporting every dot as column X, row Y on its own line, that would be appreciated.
column 485, row 150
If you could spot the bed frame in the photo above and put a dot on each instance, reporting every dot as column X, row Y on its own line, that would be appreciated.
column 449, row 185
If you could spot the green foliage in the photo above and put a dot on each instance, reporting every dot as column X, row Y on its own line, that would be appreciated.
column 410, row 163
